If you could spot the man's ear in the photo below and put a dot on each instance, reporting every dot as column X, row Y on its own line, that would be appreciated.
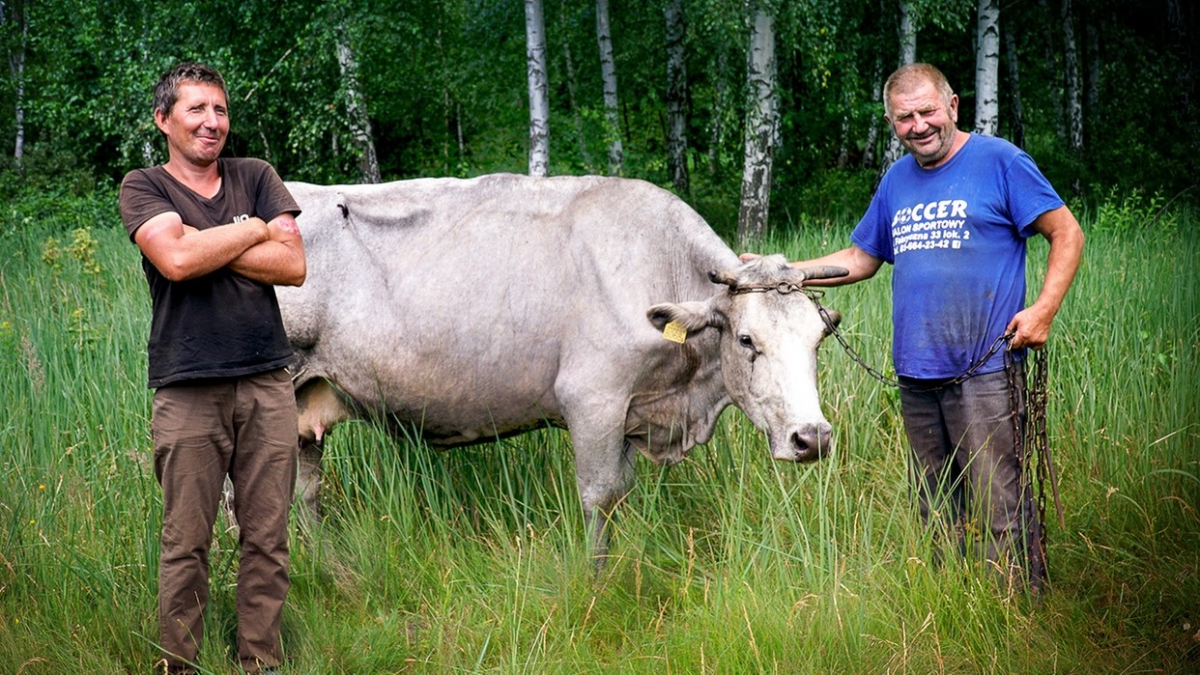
column 692, row 316
column 160, row 120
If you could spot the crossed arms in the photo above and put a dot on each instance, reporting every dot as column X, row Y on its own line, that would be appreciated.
column 267, row 252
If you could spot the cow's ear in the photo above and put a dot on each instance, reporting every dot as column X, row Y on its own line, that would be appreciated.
column 692, row 316
column 832, row 319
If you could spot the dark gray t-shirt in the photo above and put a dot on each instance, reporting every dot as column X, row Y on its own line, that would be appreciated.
column 220, row 325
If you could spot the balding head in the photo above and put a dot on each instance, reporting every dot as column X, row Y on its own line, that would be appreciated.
column 911, row 77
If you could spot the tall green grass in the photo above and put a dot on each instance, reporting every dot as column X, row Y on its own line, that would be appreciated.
column 474, row 560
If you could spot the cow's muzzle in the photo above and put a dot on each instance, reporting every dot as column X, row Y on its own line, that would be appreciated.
column 807, row 443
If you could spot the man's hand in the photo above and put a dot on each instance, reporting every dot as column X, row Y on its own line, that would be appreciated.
column 1030, row 328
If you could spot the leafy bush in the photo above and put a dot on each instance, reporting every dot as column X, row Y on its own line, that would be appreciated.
column 1135, row 211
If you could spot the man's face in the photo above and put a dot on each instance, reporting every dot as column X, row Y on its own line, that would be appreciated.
column 924, row 123
column 197, row 125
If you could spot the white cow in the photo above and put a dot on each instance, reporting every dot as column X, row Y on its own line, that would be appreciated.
column 470, row 310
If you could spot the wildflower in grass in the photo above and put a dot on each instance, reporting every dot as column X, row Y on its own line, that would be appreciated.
column 83, row 249
column 52, row 254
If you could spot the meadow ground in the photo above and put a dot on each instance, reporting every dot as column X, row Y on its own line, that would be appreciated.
column 473, row 560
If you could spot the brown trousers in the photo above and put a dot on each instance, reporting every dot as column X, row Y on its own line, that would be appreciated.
column 244, row 428
column 967, row 472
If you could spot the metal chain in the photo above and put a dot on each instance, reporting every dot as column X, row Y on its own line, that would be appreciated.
column 997, row 345
column 1035, row 432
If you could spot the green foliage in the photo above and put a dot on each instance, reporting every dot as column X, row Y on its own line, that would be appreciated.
column 1134, row 212
column 445, row 87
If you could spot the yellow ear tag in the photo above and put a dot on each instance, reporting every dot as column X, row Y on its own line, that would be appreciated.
column 675, row 332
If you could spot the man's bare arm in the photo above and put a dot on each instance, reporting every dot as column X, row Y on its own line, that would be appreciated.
column 1032, row 324
column 861, row 265
column 181, row 252
column 279, row 260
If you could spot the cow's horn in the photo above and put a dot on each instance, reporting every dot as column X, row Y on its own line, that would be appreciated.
column 722, row 277
column 824, row 272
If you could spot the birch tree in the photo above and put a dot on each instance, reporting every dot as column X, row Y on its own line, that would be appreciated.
column 1181, row 38
column 676, row 98
column 1094, row 66
column 16, row 63
column 907, row 32
column 761, row 128
column 356, row 107
column 608, row 74
column 1051, row 74
column 539, row 89
column 987, row 68
column 1071, row 68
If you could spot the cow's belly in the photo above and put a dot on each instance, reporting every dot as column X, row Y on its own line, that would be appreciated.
column 454, row 401
column 461, row 419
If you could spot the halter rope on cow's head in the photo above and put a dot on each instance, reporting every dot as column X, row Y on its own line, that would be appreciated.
column 769, row 336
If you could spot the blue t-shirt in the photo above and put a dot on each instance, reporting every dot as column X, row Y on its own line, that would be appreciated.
column 956, row 236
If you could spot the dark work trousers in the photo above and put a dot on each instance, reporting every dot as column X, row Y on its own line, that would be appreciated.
column 244, row 428
column 967, row 472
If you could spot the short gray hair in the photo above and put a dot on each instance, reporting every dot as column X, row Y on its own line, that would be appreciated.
column 166, row 92
column 909, row 77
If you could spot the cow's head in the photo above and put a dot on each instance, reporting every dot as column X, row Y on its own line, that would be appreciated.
column 770, row 330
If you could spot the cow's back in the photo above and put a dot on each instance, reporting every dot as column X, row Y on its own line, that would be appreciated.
column 457, row 304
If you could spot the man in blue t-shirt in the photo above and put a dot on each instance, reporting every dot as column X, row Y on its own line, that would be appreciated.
column 952, row 218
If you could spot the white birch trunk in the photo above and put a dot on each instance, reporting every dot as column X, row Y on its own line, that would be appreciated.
column 676, row 99
column 356, row 110
column 908, row 54
column 1181, row 38
column 843, row 156
column 608, row 73
column 1071, row 68
column 987, row 69
column 16, row 62
column 539, row 89
column 716, row 129
column 908, row 35
column 761, row 132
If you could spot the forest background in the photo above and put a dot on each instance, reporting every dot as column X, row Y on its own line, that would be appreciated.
column 766, row 117
column 1101, row 93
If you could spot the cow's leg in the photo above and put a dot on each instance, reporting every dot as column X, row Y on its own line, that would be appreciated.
column 308, row 481
column 604, row 471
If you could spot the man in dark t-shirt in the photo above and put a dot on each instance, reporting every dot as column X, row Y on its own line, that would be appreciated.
column 216, row 236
